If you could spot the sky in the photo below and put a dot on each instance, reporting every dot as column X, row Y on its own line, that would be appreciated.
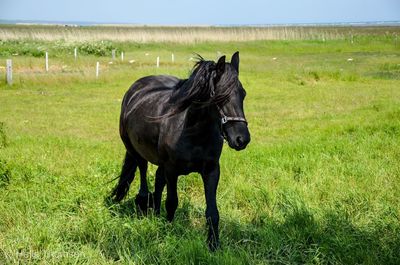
column 201, row 12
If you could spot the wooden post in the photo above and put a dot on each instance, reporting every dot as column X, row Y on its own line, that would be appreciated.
column 113, row 54
column 172, row 57
column 122, row 56
column 9, row 71
column 75, row 53
column 47, row 61
column 97, row 69
column 158, row 61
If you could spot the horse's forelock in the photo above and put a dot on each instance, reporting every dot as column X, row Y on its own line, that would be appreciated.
column 203, row 86
column 226, row 85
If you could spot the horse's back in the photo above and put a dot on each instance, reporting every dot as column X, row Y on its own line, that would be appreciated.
column 143, row 104
column 149, row 86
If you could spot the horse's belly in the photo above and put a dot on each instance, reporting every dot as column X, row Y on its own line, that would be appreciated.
column 145, row 143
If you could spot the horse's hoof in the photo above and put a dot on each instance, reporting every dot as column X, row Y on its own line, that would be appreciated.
column 144, row 202
column 170, row 218
column 213, row 245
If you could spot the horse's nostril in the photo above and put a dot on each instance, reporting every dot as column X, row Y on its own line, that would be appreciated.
column 239, row 140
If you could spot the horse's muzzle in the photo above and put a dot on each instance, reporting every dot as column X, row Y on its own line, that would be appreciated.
column 239, row 141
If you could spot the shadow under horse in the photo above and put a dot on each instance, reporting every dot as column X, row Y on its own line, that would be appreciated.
column 180, row 125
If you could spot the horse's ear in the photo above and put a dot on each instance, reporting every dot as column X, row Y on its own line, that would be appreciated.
column 220, row 66
column 235, row 61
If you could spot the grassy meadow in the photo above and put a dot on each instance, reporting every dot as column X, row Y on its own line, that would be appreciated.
column 318, row 184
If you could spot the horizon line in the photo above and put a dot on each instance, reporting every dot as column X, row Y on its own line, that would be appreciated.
column 96, row 23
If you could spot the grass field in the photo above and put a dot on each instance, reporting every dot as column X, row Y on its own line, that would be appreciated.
column 318, row 184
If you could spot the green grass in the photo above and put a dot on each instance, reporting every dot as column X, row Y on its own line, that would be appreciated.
column 318, row 184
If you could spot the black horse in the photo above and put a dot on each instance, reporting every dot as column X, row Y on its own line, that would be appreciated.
column 180, row 125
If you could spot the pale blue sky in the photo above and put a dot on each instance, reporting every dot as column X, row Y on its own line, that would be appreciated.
column 204, row 12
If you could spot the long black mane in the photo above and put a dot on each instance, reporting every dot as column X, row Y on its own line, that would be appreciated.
column 201, row 87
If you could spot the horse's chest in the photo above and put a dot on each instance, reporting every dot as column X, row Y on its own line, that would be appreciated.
column 188, row 148
column 192, row 160
column 191, row 157
column 195, row 153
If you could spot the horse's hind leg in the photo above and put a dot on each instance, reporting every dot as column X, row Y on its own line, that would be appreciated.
column 144, row 199
column 126, row 177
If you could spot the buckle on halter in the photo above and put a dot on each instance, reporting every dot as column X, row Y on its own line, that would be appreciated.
column 224, row 119
column 212, row 93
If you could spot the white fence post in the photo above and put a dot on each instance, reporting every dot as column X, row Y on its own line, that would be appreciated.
column 9, row 71
column 75, row 53
column 122, row 56
column 158, row 61
column 113, row 54
column 47, row 61
column 172, row 57
column 97, row 69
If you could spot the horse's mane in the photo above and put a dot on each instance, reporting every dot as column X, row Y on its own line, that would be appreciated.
column 201, row 86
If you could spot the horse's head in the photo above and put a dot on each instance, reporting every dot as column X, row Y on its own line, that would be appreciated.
column 230, row 106
column 217, row 84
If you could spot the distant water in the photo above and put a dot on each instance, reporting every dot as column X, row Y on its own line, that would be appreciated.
column 44, row 22
column 87, row 23
column 369, row 23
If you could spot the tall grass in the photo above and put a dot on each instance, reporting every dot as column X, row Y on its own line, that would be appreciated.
column 188, row 34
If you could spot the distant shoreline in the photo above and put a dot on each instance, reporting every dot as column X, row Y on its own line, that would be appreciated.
column 89, row 24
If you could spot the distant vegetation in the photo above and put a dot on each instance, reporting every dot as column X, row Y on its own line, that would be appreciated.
column 145, row 34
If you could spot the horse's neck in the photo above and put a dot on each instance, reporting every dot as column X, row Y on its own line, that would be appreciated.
column 201, row 116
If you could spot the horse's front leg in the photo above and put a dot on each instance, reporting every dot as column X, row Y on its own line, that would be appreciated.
column 171, row 203
column 210, row 179
column 159, row 187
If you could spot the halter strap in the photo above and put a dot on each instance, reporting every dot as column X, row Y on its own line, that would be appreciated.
column 225, row 119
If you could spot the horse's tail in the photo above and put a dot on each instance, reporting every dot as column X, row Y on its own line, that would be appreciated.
column 126, row 178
